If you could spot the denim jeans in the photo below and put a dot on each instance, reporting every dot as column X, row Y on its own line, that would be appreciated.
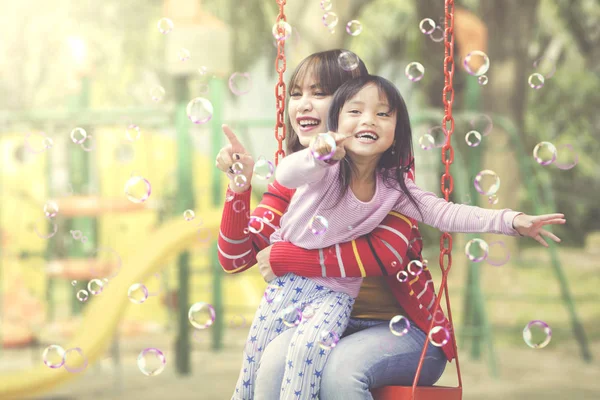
column 367, row 356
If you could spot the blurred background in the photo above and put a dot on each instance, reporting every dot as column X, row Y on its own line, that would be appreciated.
column 109, row 127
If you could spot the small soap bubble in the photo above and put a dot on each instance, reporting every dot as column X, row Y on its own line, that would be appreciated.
column 157, row 93
column 544, row 153
column 438, row 135
column 95, row 286
column 414, row 71
column 73, row 283
column 498, row 254
column 151, row 361
column 240, row 83
column 477, row 250
column 89, row 144
column 78, row 135
column 330, row 20
column 291, row 316
column 308, row 312
column 54, row 356
column 439, row 336
column 184, row 54
column 323, row 146
column 415, row 267
column 567, row 158
column 264, row 169
column 473, row 138
column 165, row 25
column 268, row 216
column 427, row 26
column 137, row 293
column 75, row 360
column 47, row 143
column 201, row 315
column 82, row 295
column 427, row 141
column 487, row 182
column 537, row 334
column 399, row 325
column 237, row 167
column 348, row 61
column 326, row 5
column 199, row 110
column 132, row 133
column 402, row 276
column 51, row 209
column 256, row 224
column 476, row 63
column 328, row 340
column 281, row 30
column 354, row 28
column 493, row 200
column 482, row 80
column 189, row 215
column 137, row 189
column 240, row 180
column 273, row 294
column 536, row 81
column 318, row 224
column 437, row 35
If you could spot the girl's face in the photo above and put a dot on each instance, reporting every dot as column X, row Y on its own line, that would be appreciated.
column 307, row 109
column 367, row 117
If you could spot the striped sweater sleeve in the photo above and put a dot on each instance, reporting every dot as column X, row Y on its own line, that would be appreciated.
column 382, row 252
column 243, row 234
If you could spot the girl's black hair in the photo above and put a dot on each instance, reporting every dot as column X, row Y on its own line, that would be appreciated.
column 325, row 67
column 391, row 166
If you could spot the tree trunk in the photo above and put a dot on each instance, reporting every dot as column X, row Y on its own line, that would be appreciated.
column 510, row 26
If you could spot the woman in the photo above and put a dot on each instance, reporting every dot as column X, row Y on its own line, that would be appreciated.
column 385, row 359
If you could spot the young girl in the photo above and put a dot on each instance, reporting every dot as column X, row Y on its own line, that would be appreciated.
column 375, row 147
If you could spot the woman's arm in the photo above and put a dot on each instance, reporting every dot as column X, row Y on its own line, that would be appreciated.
column 382, row 252
column 236, row 249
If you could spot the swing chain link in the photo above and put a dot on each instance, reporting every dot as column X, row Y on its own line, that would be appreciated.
column 280, row 65
column 447, row 182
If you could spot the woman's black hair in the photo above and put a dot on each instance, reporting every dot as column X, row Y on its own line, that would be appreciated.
column 326, row 68
column 392, row 166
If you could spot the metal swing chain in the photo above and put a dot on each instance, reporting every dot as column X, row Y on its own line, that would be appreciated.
column 447, row 183
column 280, row 65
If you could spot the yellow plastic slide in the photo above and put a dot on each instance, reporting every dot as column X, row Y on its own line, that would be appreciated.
column 104, row 313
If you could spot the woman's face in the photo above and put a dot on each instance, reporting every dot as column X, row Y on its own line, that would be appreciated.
column 308, row 108
column 367, row 117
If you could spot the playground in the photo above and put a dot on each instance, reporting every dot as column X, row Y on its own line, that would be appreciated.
column 110, row 202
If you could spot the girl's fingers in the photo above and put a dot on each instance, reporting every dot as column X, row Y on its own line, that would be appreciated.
column 541, row 241
column 547, row 217
column 555, row 222
column 550, row 235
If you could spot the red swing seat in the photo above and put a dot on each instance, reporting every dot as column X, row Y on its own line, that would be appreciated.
column 421, row 393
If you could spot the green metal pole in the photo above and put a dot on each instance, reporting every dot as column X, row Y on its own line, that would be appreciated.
column 79, row 176
column 184, row 201
column 217, row 90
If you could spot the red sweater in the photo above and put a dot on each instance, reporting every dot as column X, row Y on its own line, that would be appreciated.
column 368, row 255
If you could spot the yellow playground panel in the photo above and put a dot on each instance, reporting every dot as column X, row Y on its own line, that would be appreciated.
column 133, row 232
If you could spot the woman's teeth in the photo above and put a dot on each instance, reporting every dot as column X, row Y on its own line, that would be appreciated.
column 306, row 123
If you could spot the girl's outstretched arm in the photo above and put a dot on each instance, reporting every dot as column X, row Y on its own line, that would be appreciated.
column 237, row 249
column 380, row 253
column 450, row 217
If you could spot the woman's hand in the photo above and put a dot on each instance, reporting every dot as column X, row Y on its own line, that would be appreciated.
column 264, row 265
column 529, row 225
column 232, row 153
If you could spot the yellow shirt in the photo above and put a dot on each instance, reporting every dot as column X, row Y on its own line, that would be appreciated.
column 376, row 300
